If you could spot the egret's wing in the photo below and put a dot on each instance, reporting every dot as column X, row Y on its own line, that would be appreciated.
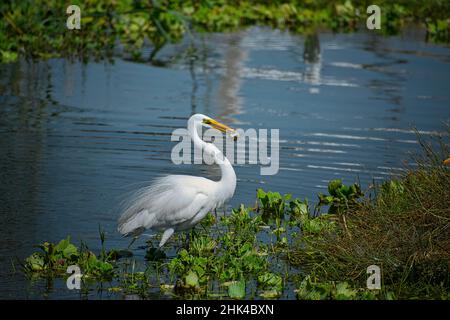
column 182, row 208
column 169, row 201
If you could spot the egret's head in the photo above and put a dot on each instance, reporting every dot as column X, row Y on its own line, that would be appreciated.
column 211, row 123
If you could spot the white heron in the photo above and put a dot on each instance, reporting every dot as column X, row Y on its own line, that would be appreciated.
column 178, row 202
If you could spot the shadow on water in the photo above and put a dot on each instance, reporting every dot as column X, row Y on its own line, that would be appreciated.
column 76, row 138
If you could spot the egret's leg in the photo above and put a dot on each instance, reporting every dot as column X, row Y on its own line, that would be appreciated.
column 166, row 235
column 132, row 241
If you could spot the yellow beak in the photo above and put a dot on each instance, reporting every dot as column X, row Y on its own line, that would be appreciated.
column 446, row 162
column 222, row 128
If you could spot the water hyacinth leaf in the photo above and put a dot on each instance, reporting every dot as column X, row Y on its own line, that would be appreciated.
column 70, row 251
column 199, row 270
column 236, row 289
column 105, row 267
column 8, row 56
column 270, row 294
column 298, row 207
column 270, row 280
column 62, row 244
column 191, row 279
column 263, row 198
column 166, row 287
column 333, row 186
column 35, row 262
column 344, row 292
column 203, row 245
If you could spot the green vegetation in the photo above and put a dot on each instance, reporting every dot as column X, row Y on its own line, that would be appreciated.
column 37, row 29
column 227, row 256
column 341, row 197
column 284, row 248
column 53, row 259
column 405, row 230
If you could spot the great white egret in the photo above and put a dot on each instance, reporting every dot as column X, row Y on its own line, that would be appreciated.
column 178, row 202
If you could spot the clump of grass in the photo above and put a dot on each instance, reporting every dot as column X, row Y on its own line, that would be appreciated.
column 404, row 229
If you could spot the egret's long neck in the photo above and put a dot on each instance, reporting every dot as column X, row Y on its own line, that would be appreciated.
column 192, row 128
column 227, row 183
column 228, row 174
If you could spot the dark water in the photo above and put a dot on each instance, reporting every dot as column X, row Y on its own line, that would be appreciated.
column 75, row 138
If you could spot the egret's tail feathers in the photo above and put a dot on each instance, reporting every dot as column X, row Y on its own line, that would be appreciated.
column 142, row 207
column 133, row 233
column 134, row 225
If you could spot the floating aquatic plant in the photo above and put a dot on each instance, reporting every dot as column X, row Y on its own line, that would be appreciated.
column 54, row 259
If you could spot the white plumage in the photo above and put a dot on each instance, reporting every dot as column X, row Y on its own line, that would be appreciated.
column 178, row 202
